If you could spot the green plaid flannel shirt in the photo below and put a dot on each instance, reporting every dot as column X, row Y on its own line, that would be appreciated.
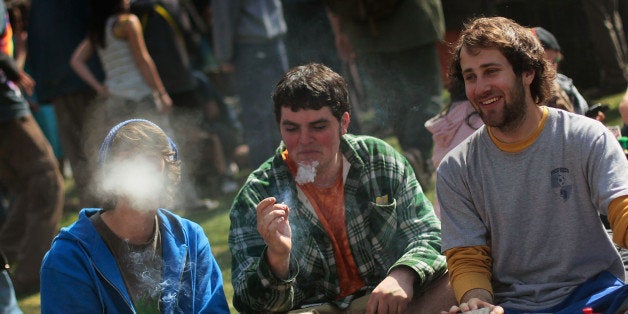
column 404, row 231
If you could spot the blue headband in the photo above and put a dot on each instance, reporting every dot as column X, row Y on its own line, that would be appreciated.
column 105, row 148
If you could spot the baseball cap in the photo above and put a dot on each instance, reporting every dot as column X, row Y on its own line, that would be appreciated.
column 547, row 39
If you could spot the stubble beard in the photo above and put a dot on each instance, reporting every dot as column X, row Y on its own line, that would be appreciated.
column 512, row 115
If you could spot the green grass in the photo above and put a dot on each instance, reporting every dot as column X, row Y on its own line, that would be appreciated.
column 216, row 222
column 612, row 115
column 216, row 226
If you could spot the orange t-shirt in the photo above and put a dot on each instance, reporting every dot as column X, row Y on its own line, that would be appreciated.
column 328, row 204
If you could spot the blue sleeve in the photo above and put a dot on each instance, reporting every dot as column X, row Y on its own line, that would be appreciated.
column 209, row 284
column 66, row 286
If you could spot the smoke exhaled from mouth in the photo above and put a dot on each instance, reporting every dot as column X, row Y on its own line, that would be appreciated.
column 139, row 180
column 306, row 172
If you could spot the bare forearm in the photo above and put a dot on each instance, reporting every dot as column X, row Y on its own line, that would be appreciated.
column 151, row 76
column 83, row 71
column 78, row 62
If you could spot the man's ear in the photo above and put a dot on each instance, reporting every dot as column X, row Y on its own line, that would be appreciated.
column 344, row 123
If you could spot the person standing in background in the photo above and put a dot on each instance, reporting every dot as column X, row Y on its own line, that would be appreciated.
column 396, row 45
column 55, row 28
column 132, row 87
column 43, row 113
column 172, row 40
column 29, row 169
column 248, row 38
column 307, row 19
column 567, row 96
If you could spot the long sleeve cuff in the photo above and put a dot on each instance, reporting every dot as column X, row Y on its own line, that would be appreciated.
column 469, row 281
column 469, row 268
column 618, row 219
column 270, row 280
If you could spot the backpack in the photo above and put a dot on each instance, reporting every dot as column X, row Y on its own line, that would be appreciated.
column 363, row 10
column 167, row 43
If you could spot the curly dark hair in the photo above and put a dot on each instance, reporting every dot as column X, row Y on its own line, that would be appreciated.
column 311, row 86
column 517, row 43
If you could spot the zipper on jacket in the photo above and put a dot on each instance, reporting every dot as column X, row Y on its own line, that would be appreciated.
column 115, row 288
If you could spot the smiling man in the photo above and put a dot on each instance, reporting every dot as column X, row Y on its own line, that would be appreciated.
column 333, row 222
column 521, row 197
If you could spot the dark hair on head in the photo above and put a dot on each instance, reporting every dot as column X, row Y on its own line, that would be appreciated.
column 311, row 86
column 144, row 138
column 101, row 10
column 517, row 43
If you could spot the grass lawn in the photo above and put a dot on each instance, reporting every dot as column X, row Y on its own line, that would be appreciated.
column 216, row 222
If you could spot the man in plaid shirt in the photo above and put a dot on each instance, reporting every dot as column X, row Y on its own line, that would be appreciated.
column 333, row 222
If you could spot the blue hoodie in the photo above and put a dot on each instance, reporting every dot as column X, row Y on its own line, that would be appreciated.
column 80, row 275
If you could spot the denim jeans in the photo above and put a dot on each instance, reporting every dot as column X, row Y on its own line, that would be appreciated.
column 8, row 302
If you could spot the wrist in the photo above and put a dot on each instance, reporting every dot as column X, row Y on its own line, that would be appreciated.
column 403, row 274
column 477, row 293
column 279, row 264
